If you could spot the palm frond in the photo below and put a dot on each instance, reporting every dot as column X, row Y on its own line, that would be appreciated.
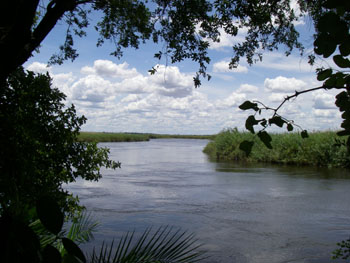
column 165, row 245
column 82, row 228
column 45, row 236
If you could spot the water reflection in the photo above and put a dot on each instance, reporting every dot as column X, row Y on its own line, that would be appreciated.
column 242, row 213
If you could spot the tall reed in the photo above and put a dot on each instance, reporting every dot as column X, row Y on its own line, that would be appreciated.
column 319, row 149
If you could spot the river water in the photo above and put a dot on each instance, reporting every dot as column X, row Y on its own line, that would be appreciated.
column 240, row 213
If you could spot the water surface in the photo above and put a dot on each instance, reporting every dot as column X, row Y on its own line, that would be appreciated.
column 240, row 213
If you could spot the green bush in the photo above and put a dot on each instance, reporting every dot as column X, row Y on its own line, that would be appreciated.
column 39, row 151
column 320, row 149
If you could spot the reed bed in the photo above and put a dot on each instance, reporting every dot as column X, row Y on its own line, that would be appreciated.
column 112, row 137
column 320, row 149
column 134, row 137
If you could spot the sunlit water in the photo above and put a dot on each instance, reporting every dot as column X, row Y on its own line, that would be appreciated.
column 240, row 213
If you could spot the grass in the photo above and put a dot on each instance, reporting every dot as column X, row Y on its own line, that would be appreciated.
column 112, row 137
column 288, row 148
column 133, row 137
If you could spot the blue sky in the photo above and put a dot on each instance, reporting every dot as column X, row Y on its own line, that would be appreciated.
column 120, row 96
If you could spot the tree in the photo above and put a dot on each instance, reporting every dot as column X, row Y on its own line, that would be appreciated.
column 39, row 151
column 332, row 38
column 39, row 147
column 184, row 26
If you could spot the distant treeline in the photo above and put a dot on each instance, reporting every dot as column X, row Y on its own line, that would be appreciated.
column 133, row 137
column 320, row 149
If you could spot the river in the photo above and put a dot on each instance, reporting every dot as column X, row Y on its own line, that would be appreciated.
column 240, row 213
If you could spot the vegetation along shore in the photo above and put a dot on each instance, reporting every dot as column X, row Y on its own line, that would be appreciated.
column 321, row 149
column 133, row 137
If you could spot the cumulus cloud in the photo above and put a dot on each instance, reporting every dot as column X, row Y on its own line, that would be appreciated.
column 138, row 84
column 323, row 113
column 295, row 6
column 168, row 102
column 283, row 84
column 131, row 98
column 227, row 40
column 38, row 67
column 92, row 88
column 223, row 66
column 279, row 61
column 324, row 101
column 247, row 88
column 107, row 68
column 276, row 97
column 234, row 99
column 169, row 81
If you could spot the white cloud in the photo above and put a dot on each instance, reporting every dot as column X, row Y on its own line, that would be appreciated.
column 227, row 40
column 38, row 67
column 138, row 84
column 247, row 88
column 63, row 81
column 131, row 98
column 283, row 84
column 323, row 101
column 168, row 102
column 277, row 97
column 234, row 99
column 279, row 61
column 323, row 113
column 107, row 68
column 92, row 88
column 295, row 6
column 223, row 66
column 169, row 81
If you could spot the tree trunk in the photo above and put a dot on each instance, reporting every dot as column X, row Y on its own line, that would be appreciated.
column 19, row 36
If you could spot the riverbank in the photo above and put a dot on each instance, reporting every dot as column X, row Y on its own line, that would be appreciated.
column 288, row 148
column 134, row 137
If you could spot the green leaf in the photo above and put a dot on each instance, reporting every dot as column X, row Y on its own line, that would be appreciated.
column 165, row 245
column 328, row 22
column 325, row 45
column 345, row 48
column 346, row 115
column 331, row 82
column 82, row 228
column 73, row 249
column 324, row 74
column 343, row 133
column 51, row 255
column 342, row 101
column 341, row 61
column 304, row 134
column 68, row 258
column 345, row 124
column 263, row 123
column 290, row 127
column 50, row 214
column 246, row 146
column 249, row 105
column 265, row 138
column 330, row 4
column 250, row 122
column 277, row 120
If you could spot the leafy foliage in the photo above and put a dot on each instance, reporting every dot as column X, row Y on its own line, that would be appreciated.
column 343, row 252
column 81, row 228
column 185, row 28
column 320, row 149
column 22, row 241
column 164, row 245
column 332, row 28
column 39, row 148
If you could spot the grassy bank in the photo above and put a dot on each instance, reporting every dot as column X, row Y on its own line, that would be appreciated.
column 288, row 148
column 133, row 137
column 112, row 137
